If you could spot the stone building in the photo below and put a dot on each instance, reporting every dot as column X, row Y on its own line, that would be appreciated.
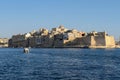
column 39, row 38
column 4, row 42
column 20, row 40
column 56, row 36
column 97, row 40
column 34, row 41
column 62, row 37
column 71, row 36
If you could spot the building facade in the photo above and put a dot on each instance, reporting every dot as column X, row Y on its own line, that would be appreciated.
column 20, row 40
column 4, row 42
column 62, row 37
column 97, row 40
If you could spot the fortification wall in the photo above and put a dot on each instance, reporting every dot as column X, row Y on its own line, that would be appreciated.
column 99, row 41
column 110, row 41
column 85, row 41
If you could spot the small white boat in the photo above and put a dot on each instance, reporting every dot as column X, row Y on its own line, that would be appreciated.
column 26, row 50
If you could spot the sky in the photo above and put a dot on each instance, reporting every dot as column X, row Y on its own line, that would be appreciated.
column 22, row 16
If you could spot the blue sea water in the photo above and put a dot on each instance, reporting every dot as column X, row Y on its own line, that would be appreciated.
column 59, row 64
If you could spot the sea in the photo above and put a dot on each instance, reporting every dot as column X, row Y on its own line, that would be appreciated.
column 59, row 64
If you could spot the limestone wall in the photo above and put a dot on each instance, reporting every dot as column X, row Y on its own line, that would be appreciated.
column 20, row 44
column 98, row 41
column 84, row 41
column 60, row 37
column 102, row 42
column 32, row 41
column 3, row 42
column 110, row 42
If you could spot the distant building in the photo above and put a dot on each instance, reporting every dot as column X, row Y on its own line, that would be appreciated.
column 20, row 40
column 62, row 37
column 39, row 38
column 97, row 40
column 70, row 37
column 4, row 42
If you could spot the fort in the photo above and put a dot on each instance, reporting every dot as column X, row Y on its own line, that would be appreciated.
column 61, row 37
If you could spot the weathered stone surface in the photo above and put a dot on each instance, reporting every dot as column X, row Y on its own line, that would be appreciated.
column 4, row 42
column 62, row 37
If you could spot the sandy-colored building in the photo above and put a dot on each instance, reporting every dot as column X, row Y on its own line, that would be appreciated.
column 4, row 42
column 20, row 40
column 67, row 39
column 62, row 37
column 39, row 38
column 97, row 40
column 71, row 36
column 56, row 36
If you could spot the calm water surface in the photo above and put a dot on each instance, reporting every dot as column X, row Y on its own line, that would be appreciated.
column 60, row 64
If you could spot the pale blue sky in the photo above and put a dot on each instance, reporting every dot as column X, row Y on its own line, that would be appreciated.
column 21, row 16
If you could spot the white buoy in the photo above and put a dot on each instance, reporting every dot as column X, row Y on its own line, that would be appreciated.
column 26, row 50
